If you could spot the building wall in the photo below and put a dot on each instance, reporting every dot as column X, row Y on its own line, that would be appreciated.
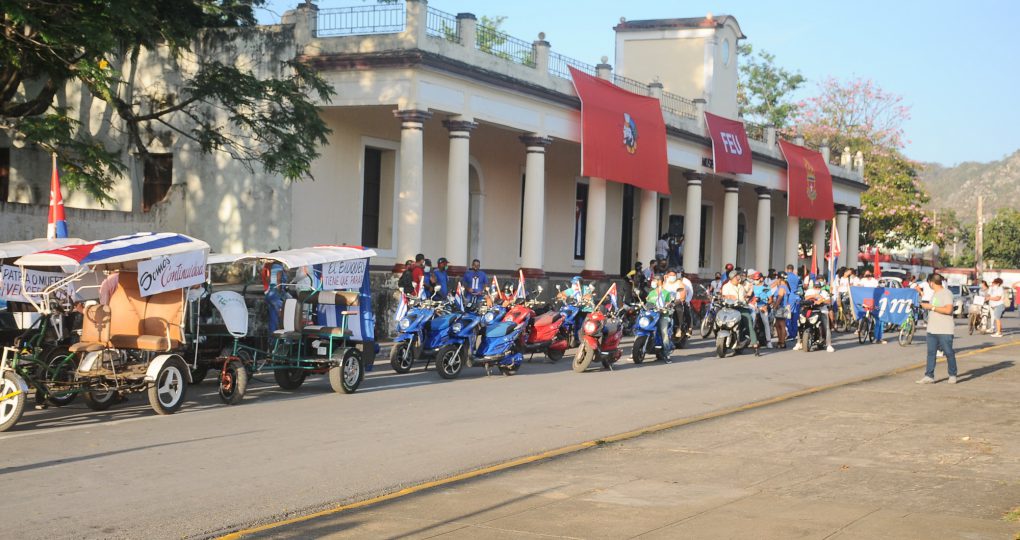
column 676, row 61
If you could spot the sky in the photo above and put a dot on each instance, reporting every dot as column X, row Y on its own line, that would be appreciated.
column 956, row 64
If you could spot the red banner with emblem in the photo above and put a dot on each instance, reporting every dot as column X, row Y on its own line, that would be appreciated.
column 809, row 184
column 623, row 136
column 730, row 151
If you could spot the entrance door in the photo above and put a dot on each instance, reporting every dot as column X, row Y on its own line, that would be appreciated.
column 627, row 233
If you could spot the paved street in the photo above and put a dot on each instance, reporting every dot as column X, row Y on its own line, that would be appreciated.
column 211, row 469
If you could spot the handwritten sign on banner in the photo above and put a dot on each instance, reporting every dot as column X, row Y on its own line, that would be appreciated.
column 343, row 274
column 171, row 272
column 35, row 281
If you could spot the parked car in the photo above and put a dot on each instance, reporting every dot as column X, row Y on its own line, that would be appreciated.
column 961, row 297
column 890, row 282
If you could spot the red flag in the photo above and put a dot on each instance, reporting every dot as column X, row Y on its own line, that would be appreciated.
column 814, row 260
column 878, row 267
column 834, row 248
column 730, row 151
column 809, row 184
column 623, row 136
column 56, row 226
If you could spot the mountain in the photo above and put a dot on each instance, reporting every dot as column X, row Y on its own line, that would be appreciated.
column 958, row 187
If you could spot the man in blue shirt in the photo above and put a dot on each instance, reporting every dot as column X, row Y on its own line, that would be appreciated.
column 793, row 281
column 474, row 281
column 438, row 277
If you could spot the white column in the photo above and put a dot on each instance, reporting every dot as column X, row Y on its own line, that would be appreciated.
column 792, row 240
column 763, row 231
column 729, row 228
column 841, row 230
column 692, row 224
column 534, row 205
column 458, row 191
column 409, row 188
column 595, row 230
column 648, row 225
column 853, row 237
column 818, row 239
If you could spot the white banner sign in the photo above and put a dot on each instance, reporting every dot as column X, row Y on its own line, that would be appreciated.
column 35, row 281
column 343, row 274
column 171, row 272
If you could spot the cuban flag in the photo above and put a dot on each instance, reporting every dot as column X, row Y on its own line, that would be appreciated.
column 401, row 308
column 612, row 296
column 659, row 302
column 520, row 285
column 834, row 250
column 496, row 293
column 459, row 297
column 421, row 289
column 56, row 227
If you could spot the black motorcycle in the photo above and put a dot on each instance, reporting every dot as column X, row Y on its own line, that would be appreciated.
column 811, row 327
column 708, row 318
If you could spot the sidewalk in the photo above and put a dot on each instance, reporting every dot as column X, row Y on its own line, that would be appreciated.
column 881, row 459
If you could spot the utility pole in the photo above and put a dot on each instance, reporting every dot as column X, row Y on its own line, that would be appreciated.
column 979, row 233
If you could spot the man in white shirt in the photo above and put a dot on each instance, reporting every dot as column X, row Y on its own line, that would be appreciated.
column 869, row 279
column 821, row 298
column 735, row 290
column 997, row 301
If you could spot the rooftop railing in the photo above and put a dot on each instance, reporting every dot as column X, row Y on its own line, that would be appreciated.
column 361, row 20
column 558, row 65
column 679, row 105
column 630, row 85
column 503, row 45
column 442, row 25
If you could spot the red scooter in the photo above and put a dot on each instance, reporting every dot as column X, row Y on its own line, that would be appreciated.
column 600, row 339
column 542, row 333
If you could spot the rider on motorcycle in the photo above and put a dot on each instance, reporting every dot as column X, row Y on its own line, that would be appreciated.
column 734, row 290
column 762, row 295
column 683, row 292
column 821, row 298
column 660, row 296
column 576, row 291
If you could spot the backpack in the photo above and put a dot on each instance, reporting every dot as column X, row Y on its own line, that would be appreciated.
column 406, row 281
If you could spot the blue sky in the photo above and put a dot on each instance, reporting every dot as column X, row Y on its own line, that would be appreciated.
column 957, row 65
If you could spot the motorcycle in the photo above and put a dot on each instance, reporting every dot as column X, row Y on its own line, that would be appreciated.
column 810, row 329
column 648, row 338
column 600, row 339
column 708, row 319
column 423, row 332
column 731, row 333
column 573, row 313
column 542, row 333
column 499, row 344
column 628, row 316
column 452, row 357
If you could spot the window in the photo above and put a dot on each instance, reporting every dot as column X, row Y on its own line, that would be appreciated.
column 580, row 221
column 5, row 174
column 371, row 197
column 157, row 179
column 706, row 236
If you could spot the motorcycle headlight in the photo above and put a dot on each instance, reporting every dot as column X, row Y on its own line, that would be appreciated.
column 489, row 317
column 814, row 318
column 457, row 327
column 405, row 323
column 644, row 321
column 591, row 327
column 802, row 319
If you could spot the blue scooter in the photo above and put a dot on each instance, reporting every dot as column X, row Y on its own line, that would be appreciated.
column 499, row 343
column 451, row 358
column 423, row 332
column 648, row 339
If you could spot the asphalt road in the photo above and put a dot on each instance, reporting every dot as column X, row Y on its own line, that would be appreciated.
column 210, row 468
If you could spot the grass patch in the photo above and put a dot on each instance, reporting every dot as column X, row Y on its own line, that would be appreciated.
column 1014, row 516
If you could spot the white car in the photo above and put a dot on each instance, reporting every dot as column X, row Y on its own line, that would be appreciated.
column 961, row 297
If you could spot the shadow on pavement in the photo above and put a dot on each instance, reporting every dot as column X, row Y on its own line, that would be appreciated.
column 985, row 370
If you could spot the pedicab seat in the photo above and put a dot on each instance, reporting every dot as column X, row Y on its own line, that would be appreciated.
column 151, row 323
column 292, row 322
column 95, row 330
column 332, row 298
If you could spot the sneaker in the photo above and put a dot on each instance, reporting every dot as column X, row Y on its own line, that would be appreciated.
column 997, row 334
column 667, row 360
column 883, row 342
column 952, row 379
column 797, row 346
column 925, row 380
column 830, row 349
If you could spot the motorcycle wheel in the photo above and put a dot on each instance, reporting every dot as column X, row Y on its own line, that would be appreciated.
column 553, row 355
column 805, row 342
column 720, row 346
column 449, row 362
column 572, row 341
column 707, row 326
column 638, row 350
column 583, row 358
column 401, row 358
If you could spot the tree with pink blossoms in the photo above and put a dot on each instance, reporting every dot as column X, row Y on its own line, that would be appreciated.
column 859, row 116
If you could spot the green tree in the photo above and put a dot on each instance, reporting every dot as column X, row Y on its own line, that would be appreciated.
column 47, row 48
column 859, row 116
column 764, row 90
column 1002, row 239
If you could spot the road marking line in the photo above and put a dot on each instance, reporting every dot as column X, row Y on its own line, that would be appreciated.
column 573, row 448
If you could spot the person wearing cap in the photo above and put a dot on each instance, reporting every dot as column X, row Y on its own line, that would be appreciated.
column 735, row 290
column 438, row 277
column 817, row 294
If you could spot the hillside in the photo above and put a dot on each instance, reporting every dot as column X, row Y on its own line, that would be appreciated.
column 958, row 187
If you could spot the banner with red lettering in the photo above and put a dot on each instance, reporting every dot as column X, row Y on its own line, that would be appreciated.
column 730, row 151
column 809, row 184
column 623, row 136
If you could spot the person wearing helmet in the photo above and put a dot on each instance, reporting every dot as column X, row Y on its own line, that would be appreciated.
column 817, row 293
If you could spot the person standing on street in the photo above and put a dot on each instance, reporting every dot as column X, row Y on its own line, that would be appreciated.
column 439, row 277
column 662, row 247
column 997, row 301
column 940, row 329
column 474, row 281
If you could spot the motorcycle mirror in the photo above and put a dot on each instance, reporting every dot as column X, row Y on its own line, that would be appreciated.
column 557, row 287
column 539, row 288
column 437, row 288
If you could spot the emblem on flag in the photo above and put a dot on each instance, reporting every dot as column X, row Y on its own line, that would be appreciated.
column 812, row 193
column 629, row 133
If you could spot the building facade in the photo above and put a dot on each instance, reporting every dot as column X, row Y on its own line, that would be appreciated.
column 452, row 139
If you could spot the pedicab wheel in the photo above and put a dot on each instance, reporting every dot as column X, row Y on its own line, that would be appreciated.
column 401, row 358
column 290, row 378
column 583, row 358
column 200, row 371
column 12, row 399
column 100, row 400
column 233, row 382
column 553, row 355
column 346, row 376
column 58, row 365
column 449, row 362
column 637, row 353
column 167, row 393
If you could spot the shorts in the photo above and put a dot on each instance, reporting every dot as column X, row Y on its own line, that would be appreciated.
column 997, row 312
